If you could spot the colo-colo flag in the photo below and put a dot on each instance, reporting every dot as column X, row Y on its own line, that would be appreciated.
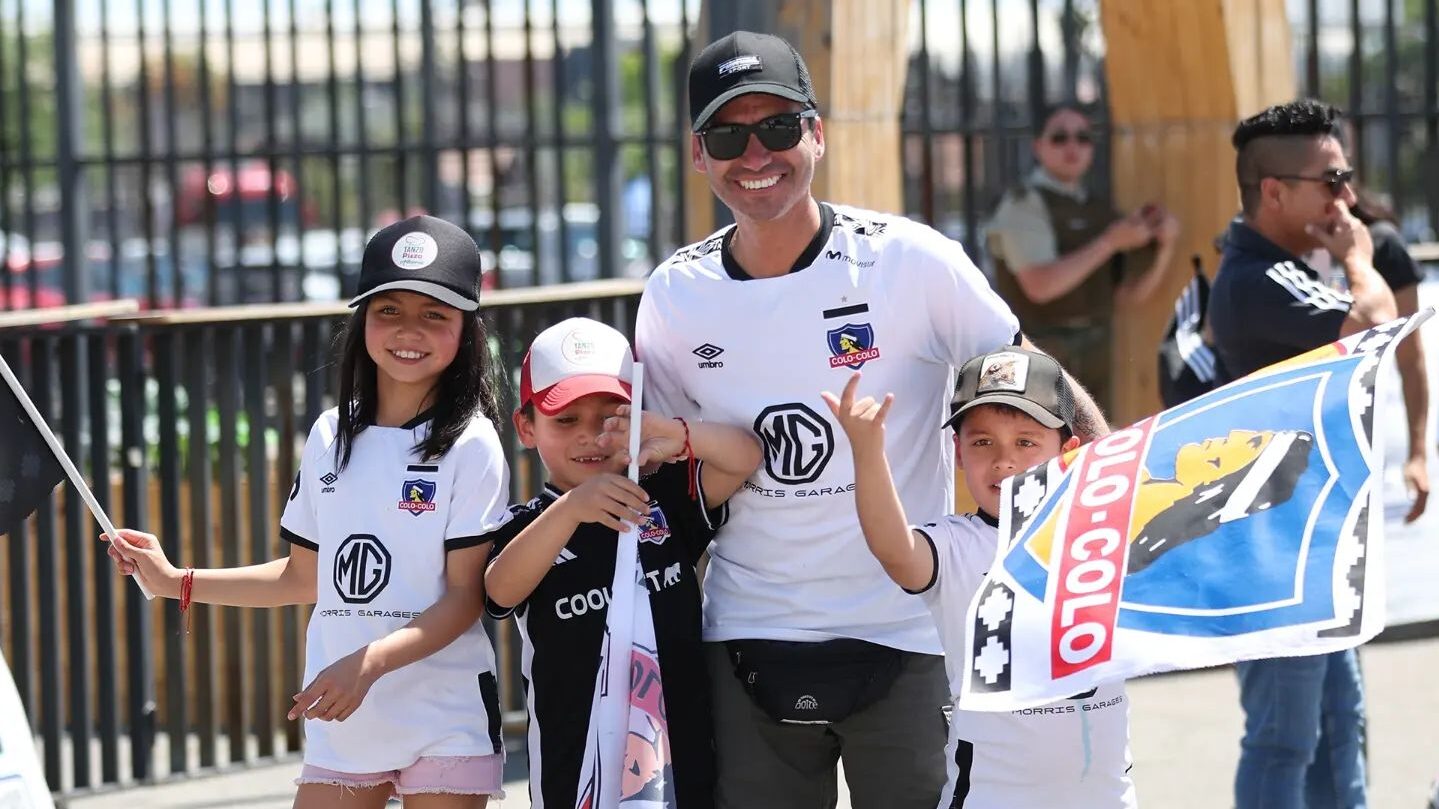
column 1243, row 524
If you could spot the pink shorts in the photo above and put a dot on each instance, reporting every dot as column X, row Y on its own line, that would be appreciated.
column 448, row 775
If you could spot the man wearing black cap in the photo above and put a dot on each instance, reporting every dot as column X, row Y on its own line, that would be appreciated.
column 814, row 653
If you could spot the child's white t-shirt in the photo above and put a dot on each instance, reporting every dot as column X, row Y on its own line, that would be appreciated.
column 1072, row 754
column 382, row 528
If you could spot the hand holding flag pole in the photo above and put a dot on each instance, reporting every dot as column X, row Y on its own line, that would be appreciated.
column 59, row 452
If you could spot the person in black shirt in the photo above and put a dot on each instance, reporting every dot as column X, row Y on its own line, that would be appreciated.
column 1401, row 272
column 552, row 564
column 1304, row 716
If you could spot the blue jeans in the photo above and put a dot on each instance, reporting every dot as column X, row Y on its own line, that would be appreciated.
column 1303, row 742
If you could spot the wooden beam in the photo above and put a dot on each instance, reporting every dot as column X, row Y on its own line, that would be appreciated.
column 55, row 315
column 857, row 53
column 1180, row 75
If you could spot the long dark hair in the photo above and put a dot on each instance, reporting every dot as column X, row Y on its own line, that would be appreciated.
column 1370, row 209
column 467, row 387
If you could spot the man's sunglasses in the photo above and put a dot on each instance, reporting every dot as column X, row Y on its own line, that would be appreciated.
column 1062, row 137
column 777, row 133
column 1336, row 179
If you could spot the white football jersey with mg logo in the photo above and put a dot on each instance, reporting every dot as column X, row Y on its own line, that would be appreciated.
column 381, row 529
column 879, row 293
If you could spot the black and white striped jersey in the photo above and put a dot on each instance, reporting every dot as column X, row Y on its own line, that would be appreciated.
column 562, row 626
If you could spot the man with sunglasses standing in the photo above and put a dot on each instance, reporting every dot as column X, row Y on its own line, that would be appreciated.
column 815, row 656
column 1064, row 257
column 1303, row 745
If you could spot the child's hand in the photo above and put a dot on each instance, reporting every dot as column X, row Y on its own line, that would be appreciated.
column 138, row 554
column 660, row 438
column 337, row 691
column 862, row 421
column 611, row 500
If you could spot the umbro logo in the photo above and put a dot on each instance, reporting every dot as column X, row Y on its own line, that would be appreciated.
column 328, row 479
column 708, row 352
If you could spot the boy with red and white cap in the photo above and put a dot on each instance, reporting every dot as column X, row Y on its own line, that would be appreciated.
column 552, row 564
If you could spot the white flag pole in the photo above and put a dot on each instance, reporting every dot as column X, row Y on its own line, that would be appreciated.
column 637, row 385
column 614, row 710
column 59, row 452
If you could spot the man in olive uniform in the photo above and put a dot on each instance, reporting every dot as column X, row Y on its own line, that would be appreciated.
column 1064, row 256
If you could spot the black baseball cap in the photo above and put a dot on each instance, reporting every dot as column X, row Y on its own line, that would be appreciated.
column 746, row 62
column 426, row 255
column 1025, row 380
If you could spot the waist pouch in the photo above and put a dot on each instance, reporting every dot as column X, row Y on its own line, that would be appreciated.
column 813, row 683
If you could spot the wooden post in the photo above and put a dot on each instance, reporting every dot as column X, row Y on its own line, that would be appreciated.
column 857, row 55
column 1180, row 75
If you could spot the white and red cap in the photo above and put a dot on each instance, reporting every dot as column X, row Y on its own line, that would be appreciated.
column 574, row 358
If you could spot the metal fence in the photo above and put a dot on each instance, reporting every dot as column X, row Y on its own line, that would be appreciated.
column 203, row 151
column 1379, row 59
column 982, row 70
column 191, row 428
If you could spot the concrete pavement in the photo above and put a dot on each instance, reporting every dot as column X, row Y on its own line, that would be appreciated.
column 1184, row 732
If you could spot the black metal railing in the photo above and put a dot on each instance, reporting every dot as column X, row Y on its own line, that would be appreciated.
column 980, row 73
column 1379, row 59
column 190, row 425
column 209, row 152
column 981, row 70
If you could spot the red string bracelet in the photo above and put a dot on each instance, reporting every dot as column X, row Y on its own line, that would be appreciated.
column 187, row 588
column 690, row 457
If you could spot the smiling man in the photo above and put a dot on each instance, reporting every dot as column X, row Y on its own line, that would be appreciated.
column 814, row 654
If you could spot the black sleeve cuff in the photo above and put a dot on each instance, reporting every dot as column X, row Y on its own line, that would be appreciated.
column 295, row 539
column 713, row 517
column 934, row 575
column 497, row 612
column 459, row 543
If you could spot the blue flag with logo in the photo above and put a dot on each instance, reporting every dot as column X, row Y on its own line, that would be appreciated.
column 1243, row 524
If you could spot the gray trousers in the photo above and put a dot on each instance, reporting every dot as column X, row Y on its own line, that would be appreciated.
column 893, row 751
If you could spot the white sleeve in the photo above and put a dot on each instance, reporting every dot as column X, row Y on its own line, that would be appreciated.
column 654, row 344
column 962, row 556
column 480, row 495
column 298, row 523
column 967, row 317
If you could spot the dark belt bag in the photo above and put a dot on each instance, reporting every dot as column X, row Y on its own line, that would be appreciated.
column 813, row 683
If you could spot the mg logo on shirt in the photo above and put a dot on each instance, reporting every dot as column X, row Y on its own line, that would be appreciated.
column 362, row 569
column 798, row 442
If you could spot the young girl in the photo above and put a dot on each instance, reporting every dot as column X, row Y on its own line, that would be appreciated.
column 385, row 525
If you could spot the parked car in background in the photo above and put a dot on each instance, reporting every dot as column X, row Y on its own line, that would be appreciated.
column 530, row 252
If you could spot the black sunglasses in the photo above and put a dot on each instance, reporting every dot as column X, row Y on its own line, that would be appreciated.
column 1336, row 179
column 777, row 133
column 1061, row 137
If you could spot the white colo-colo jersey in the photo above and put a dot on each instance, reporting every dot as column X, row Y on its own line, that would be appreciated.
column 1072, row 754
column 381, row 529
column 891, row 297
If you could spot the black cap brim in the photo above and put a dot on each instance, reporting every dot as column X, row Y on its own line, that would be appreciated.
column 732, row 93
column 439, row 292
column 1020, row 403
